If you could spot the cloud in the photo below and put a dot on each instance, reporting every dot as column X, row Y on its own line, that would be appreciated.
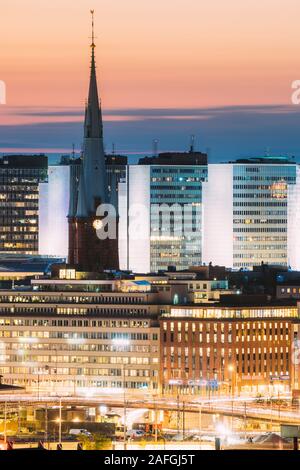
column 229, row 132
column 155, row 112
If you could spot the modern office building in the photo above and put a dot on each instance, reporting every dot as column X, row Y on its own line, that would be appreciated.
column 247, row 213
column 230, row 349
column 54, row 203
column 20, row 176
column 76, row 335
column 116, row 170
column 80, row 336
column 294, row 223
column 160, row 207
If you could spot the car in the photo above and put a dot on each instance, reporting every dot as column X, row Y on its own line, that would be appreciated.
column 135, row 433
column 80, row 432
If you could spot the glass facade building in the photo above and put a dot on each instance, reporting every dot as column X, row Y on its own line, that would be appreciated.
column 247, row 212
column 161, row 213
column 20, row 176
column 176, row 216
column 260, row 202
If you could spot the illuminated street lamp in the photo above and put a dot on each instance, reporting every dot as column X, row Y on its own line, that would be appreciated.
column 59, row 421
column 231, row 370
column 123, row 342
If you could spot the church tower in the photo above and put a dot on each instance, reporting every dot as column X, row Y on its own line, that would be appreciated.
column 86, row 249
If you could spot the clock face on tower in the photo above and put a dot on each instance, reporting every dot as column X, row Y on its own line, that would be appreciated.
column 97, row 224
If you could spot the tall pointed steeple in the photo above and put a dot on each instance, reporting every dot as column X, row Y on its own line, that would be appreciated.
column 86, row 250
column 93, row 126
column 94, row 171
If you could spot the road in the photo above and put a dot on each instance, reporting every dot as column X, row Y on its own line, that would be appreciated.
column 236, row 407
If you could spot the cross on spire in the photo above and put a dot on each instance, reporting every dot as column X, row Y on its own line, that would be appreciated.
column 93, row 45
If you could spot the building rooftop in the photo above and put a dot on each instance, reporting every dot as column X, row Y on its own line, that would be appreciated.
column 267, row 159
column 176, row 158
column 26, row 263
column 39, row 161
column 231, row 301
column 116, row 159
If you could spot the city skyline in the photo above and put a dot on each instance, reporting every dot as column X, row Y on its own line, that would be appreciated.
column 149, row 303
column 218, row 79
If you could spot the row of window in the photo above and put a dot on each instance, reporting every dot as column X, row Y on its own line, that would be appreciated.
column 67, row 346
column 61, row 299
column 221, row 338
column 260, row 221
column 75, row 311
column 77, row 323
column 260, row 213
column 25, row 357
column 211, row 313
column 31, row 335
column 215, row 327
column 278, row 203
column 260, row 229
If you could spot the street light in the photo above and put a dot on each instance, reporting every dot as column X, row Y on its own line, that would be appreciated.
column 231, row 370
column 123, row 342
column 5, row 422
column 59, row 420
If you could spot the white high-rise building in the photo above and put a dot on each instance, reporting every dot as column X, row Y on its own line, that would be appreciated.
column 251, row 211
column 160, row 208
column 294, row 223
column 53, row 210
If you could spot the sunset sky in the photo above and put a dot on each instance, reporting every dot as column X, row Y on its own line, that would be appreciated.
column 172, row 56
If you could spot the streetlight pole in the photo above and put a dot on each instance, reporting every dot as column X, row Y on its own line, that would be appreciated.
column 231, row 371
column 19, row 418
column 46, row 423
column 178, row 414
column 208, row 383
column 271, row 414
column 245, row 419
column 123, row 342
column 59, row 429
column 125, row 410
column 156, row 420
column 200, row 421
column 183, row 419
column 5, row 422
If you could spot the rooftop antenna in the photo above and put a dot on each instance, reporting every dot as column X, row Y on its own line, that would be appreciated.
column 267, row 152
column 73, row 151
column 208, row 153
column 155, row 147
column 113, row 148
column 192, row 147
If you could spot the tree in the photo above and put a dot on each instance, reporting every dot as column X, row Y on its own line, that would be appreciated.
column 97, row 442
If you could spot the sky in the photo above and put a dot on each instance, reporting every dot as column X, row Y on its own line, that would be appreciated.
column 221, row 70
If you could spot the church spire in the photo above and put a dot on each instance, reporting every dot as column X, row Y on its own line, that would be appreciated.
column 86, row 249
column 93, row 118
column 94, row 170
column 93, row 29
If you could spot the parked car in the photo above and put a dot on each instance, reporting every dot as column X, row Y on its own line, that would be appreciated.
column 78, row 432
column 135, row 433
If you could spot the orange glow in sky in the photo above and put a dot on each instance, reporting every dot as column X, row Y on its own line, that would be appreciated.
column 158, row 53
